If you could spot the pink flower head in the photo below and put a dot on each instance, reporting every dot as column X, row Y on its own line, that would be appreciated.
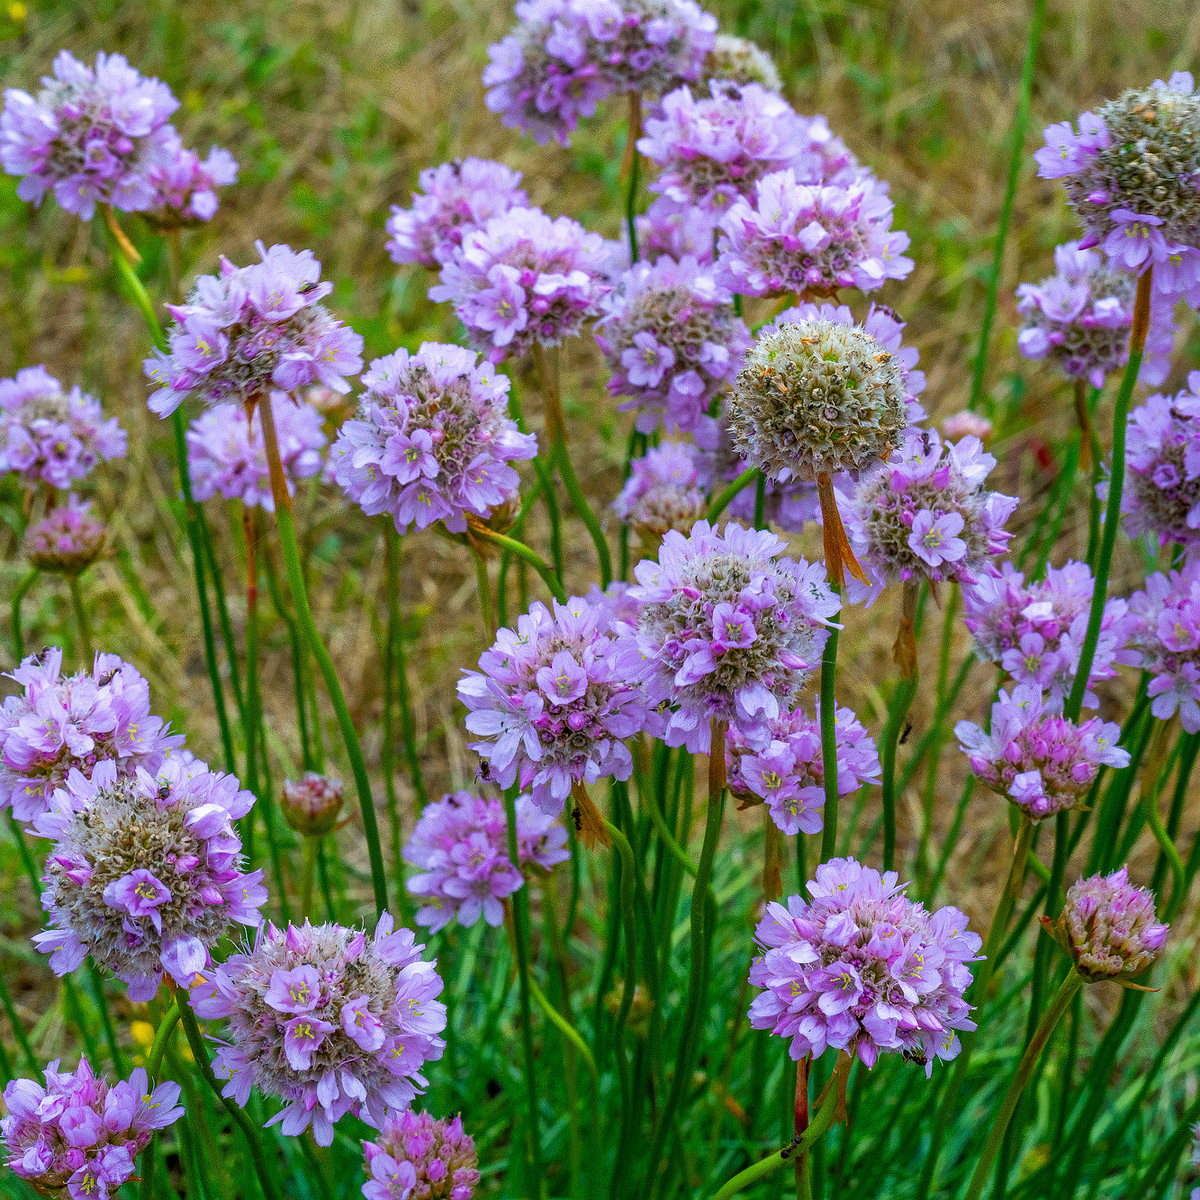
column 964, row 423
column 415, row 1157
column 862, row 969
column 1167, row 640
column 665, row 490
column 185, row 185
column 67, row 540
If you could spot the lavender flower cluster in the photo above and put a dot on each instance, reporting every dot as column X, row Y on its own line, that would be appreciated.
column 1167, row 639
column 664, row 491
column 67, row 540
column 415, row 1157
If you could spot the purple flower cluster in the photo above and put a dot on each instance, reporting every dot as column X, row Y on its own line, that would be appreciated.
column 799, row 238
column 679, row 230
column 328, row 1020
column 456, row 197
column 251, row 331
column 415, row 1157
column 554, row 701
column 432, row 441
column 59, row 724
column 79, row 1135
column 1131, row 174
column 564, row 56
column 50, row 435
column 665, row 490
column 1168, row 641
column 1162, row 492
column 90, row 137
column 460, row 846
column 1080, row 319
column 863, row 969
column 67, row 540
column 1035, row 631
column 789, row 775
column 185, row 185
column 522, row 280
column 925, row 513
column 227, row 455
column 1043, row 762
column 673, row 344
column 145, row 871
column 727, row 631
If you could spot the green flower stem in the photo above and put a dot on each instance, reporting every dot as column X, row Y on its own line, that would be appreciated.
column 393, row 548
column 161, row 1037
column 18, row 596
column 549, row 577
column 665, row 834
column 517, row 531
column 71, row 1003
column 299, row 675
column 902, row 699
column 1112, row 514
column 110, row 1032
column 829, row 745
column 935, row 741
column 483, row 585
column 634, row 160
column 1016, row 158
column 295, row 577
column 1058, row 1006
column 760, row 501
column 22, row 1038
column 308, row 872
column 569, row 1033
column 200, row 1054
column 545, row 481
column 520, row 937
column 387, row 751
column 725, row 497
column 81, row 622
column 223, row 622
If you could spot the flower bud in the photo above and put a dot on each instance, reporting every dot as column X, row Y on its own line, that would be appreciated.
column 67, row 540
column 311, row 804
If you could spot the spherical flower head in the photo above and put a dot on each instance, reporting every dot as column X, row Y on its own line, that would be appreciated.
column 51, row 436
column 311, row 804
column 1167, row 639
column 554, row 701
column 145, row 874
column 432, row 440
column 67, row 540
column 673, row 344
column 59, row 724
column 665, row 490
column 1041, row 761
column 89, row 137
column 817, row 397
column 415, row 1157
column 1131, row 173
column 728, row 631
column 1036, row 630
column 862, row 969
column 1108, row 928
column 186, row 185
column 253, row 331
column 328, row 1020
column 964, row 423
column 460, row 847
column 228, row 457
column 1080, row 318
column 1162, row 492
column 454, row 198
column 792, row 237
column 78, row 1135
column 523, row 280
column 789, row 775
column 679, row 230
column 740, row 61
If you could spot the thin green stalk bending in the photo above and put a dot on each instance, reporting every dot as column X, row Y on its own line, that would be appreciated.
column 18, row 596
column 522, row 551
column 635, row 162
column 295, row 577
column 393, row 547
column 829, row 745
column 726, row 496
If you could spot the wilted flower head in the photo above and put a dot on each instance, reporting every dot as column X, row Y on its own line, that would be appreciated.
column 564, row 56
column 554, row 701
column 1162, row 491
column 460, row 847
column 185, row 185
column 328, row 1020
column 673, row 344
column 789, row 775
column 792, row 237
column 740, row 61
column 965, row 422
column 1037, row 758
column 1081, row 318
column 144, row 874
column 665, row 490
column 455, row 197
column 863, row 969
column 51, row 435
column 1108, row 928
column 432, row 441
column 62, row 724
column 251, row 331
column 1168, row 641
column 415, row 1157
column 68, row 539
column 728, row 631
column 79, row 1135
column 311, row 804
column 227, row 455
column 523, row 279
column 1035, row 631
column 89, row 137
column 1131, row 174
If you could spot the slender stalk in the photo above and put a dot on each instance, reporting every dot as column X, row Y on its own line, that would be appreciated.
column 634, row 161
column 935, row 741
column 81, row 622
column 393, row 549
column 161, row 1037
column 483, row 586
column 902, row 699
column 18, row 596
column 295, row 578
column 829, row 745
column 110, row 1032
column 726, row 496
column 19, row 1034
column 308, row 872
column 549, row 576
column 760, row 501
column 1016, row 157
column 300, row 679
